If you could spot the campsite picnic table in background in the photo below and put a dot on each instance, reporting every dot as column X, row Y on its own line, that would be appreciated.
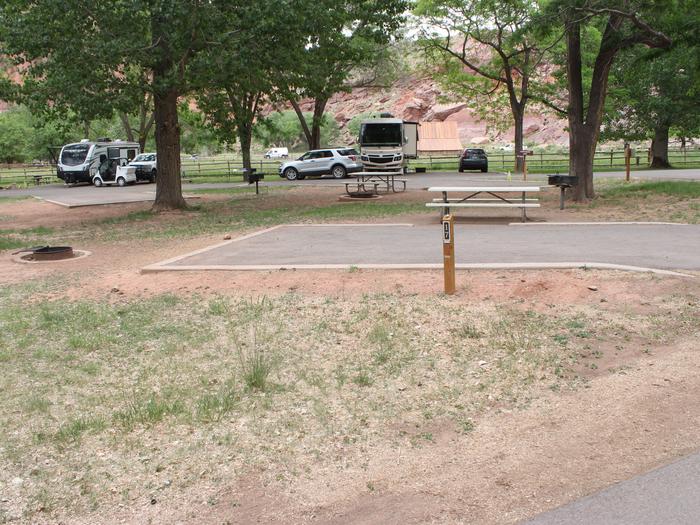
column 485, row 197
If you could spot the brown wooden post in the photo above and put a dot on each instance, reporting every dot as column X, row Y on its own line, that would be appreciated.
column 448, row 253
column 628, row 161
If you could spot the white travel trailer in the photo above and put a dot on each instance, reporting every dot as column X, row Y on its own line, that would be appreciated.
column 80, row 161
column 386, row 143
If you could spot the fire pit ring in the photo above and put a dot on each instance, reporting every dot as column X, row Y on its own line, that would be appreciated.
column 359, row 197
column 43, row 254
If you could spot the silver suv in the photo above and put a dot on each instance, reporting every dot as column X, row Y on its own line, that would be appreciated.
column 337, row 162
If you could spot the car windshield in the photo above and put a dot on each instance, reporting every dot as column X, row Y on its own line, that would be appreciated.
column 377, row 134
column 144, row 157
column 75, row 154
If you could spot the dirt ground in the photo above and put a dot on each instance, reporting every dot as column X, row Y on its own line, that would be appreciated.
column 513, row 465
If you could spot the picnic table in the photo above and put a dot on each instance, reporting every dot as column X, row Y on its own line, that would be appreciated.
column 382, row 178
column 485, row 197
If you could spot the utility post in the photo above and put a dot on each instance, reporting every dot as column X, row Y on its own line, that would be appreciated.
column 524, row 154
column 448, row 253
column 628, row 161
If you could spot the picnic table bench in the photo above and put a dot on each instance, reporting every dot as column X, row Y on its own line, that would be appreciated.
column 360, row 188
column 383, row 178
column 475, row 198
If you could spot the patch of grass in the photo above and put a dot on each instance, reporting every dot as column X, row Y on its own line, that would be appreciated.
column 134, row 216
column 213, row 406
column 73, row 430
column 682, row 189
column 466, row 426
column 37, row 403
column 148, row 411
column 239, row 190
column 256, row 368
column 362, row 378
column 466, row 331
column 218, row 307
column 11, row 243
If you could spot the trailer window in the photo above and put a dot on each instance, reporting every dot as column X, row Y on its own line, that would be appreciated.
column 74, row 155
column 376, row 134
column 130, row 154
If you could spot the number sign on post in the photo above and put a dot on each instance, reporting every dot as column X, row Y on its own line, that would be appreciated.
column 448, row 253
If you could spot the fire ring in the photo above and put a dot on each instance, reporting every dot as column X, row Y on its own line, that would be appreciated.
column 48, row 254
column 359, row 197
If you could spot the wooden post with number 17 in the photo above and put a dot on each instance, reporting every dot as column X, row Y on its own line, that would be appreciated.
column 448, row 252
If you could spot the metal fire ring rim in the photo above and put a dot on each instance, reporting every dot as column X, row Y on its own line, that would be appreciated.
column 78, row 254
column 349, row 198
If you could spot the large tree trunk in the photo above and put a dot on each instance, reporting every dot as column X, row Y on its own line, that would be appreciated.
column 245, row 133
column 584, row 122
column 582, row 146
column 302, row 121
column 313, row 133
column 319, row 109
column 127, row 126
column 659, row 148
column 168, row 181
column 518, row 118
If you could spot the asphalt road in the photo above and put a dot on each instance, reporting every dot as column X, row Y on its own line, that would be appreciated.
column 675, row 246
column 666, row 496
column 84, row 195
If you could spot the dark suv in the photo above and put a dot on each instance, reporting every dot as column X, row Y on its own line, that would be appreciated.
column 473, row 159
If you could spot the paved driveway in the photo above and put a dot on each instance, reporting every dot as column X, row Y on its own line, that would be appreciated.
column 669, row 495
column 657, row 246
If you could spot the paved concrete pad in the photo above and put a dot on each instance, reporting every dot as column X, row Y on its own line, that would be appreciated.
column 655, row 246
column 87, row 195
column 666, row 496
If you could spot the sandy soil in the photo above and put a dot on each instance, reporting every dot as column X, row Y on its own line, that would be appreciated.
column 514, row 465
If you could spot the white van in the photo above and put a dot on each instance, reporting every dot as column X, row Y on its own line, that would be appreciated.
column 79, row 162
column 277, row 153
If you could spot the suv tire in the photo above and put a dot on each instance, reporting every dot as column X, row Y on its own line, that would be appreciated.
column 339, row 172
column 292, row 174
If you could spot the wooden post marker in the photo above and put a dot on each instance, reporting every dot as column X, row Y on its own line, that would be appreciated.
column 628, row 161
column 524, row 153
column 448, row 252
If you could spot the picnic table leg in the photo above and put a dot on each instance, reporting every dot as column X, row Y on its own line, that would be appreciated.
column 445, row 209
column 523, row 217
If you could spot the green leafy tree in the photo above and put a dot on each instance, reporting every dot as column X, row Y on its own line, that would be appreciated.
column 97, row 57
column 239, row 78
column 197, row 134
column 284, row 129
column 653, row 96
column 486, row 53
column 25, row 138
column 622, row 24
column 346, row 47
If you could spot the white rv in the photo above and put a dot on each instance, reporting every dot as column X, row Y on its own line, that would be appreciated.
column 80, row 162
column 386, row 143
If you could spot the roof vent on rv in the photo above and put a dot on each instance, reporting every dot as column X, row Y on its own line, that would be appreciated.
column 85, row 140
column 386, row 115
column 104, row 139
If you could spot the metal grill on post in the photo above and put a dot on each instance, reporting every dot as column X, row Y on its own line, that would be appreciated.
column 250, row 176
